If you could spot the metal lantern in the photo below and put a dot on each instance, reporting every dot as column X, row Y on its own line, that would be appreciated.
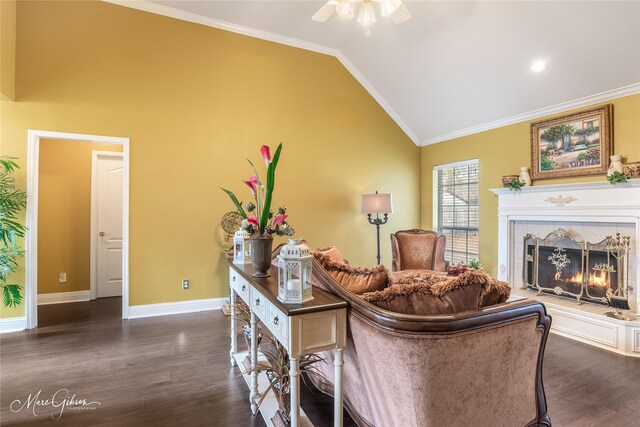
column 294, row 273
column 241, row 247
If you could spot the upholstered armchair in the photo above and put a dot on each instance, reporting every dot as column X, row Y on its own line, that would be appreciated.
column 418, row 250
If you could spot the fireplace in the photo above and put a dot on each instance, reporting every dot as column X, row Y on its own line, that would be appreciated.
column 563, row 265
column 601, row 270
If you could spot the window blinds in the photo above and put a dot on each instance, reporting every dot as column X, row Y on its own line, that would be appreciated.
column 456, row 210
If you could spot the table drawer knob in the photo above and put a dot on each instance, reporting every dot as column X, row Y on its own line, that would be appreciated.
column 257, row 301
column 244, row 287
column 275, row 320
column 234, row 278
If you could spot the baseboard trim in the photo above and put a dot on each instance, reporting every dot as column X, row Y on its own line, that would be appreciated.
column 64, row 297
column 13, row 324
column 178, row 307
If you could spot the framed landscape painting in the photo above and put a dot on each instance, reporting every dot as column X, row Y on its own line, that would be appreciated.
column 572, row 145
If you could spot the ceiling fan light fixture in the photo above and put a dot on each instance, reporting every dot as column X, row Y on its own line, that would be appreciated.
column 345, row 9
column 366, row 16
column 389, row 7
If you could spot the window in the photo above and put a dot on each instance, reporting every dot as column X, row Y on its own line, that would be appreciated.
column 455, row 208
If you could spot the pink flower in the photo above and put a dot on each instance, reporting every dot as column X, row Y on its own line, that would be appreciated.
column 251, row 186
column 266, row 154
column 279, row 219
column 253, row 220
column 254, row 181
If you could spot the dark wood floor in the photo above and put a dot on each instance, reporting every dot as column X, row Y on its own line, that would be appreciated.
column 174, row 371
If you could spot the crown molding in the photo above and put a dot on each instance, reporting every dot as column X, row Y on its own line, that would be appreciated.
column 542, row 112
column 182, row 15
column 172, row 12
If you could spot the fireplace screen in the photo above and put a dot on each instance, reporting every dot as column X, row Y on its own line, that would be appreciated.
column 568, row 267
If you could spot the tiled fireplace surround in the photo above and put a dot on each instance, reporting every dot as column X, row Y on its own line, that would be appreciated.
column 589, row 212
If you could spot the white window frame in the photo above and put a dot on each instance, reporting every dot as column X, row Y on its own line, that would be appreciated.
column 436, row 202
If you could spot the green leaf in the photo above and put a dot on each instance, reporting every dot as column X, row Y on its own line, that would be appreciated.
column 12, row 201
column 235, row 201
column 11, row 295
column 271, row 178
column 617, row 177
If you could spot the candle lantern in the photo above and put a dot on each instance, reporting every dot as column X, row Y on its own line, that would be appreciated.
column 241, row 247
column 294, row 273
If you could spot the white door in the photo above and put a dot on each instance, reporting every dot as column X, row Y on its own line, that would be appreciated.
column 109, row 224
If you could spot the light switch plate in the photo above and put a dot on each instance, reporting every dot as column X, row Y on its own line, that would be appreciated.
column 62, row 277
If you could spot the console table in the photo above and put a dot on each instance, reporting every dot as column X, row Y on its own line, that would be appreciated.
column 318, row 325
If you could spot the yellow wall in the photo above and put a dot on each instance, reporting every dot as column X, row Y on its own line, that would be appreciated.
column 64, row 213
column 501, row 152
column 197, row 101
column 7, row 48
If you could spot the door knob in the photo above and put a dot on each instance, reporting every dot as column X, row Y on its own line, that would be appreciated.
column 102, row 234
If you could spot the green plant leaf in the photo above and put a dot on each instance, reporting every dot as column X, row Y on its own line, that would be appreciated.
column 12, row 201
column 11, row 295
column 271, row 178
column 617, row 177
column 235, row 201
column 515, row 184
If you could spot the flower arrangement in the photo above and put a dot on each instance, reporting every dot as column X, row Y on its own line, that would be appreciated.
column 515, row 184
column 617, row 177
column 460, row 268
column 262, row 221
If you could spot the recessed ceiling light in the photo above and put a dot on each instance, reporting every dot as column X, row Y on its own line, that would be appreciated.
column 539, row 66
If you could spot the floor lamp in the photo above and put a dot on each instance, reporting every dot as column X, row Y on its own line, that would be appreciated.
column 377, row 204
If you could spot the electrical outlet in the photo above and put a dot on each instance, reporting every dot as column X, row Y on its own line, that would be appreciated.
column 186, row 284
column 62, row 277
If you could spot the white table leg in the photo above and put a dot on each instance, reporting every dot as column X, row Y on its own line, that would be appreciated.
column 337, row 389
column 294, row 374
column 234, row 337
column 253, row 396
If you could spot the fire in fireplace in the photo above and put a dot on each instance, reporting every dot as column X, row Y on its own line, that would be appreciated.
column 562, row 265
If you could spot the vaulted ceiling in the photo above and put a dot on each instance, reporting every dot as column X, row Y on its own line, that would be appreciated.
column 457, row 67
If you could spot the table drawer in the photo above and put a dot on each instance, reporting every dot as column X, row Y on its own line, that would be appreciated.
column 259, row 304
column 239, row 285
column 277, row 323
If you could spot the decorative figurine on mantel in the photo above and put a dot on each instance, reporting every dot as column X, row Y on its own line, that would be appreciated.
column 525, row 178
column 616, row 165
column 294, row 273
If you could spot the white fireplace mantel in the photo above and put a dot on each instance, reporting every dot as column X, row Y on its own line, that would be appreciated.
column 591, row 202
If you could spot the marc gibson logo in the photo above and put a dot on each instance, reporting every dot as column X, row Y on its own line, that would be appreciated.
column 60, row 401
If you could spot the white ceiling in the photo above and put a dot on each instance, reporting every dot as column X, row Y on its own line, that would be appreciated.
column 458, row 67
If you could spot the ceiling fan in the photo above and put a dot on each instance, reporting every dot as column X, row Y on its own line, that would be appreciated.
column 346, row 8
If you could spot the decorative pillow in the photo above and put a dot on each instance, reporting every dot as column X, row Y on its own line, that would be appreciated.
column 494, row 292
column 355, row 279
column 413, row 276
column 332, row 252
column 430, row 294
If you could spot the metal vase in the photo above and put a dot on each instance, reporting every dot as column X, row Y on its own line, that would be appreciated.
column 261, row 249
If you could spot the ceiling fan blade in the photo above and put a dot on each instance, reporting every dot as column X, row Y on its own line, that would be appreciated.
column 325, row 11
column 401, row 15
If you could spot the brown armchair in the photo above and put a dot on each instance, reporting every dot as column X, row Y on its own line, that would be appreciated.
column 418, row 250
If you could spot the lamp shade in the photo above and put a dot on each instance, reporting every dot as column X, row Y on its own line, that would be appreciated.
column 377, row 203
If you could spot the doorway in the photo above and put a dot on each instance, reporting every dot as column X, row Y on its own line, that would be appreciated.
column 116, row 245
